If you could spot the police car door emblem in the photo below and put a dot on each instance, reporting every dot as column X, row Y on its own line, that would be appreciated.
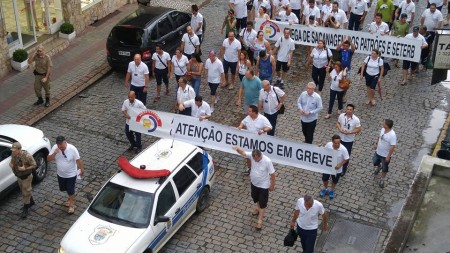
column 101, row 234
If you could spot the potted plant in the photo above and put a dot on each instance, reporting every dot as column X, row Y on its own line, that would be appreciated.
column 19, row 60
column 67, row 31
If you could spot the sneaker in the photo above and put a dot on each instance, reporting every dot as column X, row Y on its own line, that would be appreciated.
column 331, row 194
column 381, row 183
column 323, row 192
column 377, row 170
column 278, row 83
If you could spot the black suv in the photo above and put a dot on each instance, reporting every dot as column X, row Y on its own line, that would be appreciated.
column 140, row 31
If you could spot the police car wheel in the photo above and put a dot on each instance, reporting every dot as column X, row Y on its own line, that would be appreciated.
column 41, row 167
column 202, row 202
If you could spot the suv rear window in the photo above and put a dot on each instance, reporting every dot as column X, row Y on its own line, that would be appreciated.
column 126, row 36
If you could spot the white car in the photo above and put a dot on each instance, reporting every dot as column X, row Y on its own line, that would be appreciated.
column 142, row 206
column 33, row 141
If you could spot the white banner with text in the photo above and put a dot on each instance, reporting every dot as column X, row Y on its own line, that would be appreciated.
column 221, row 137
column 389, row 46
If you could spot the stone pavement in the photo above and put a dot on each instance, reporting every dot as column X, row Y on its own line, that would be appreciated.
column 227, row 226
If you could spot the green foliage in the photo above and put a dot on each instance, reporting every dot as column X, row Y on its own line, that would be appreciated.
column 20, row 55
column 66, row 28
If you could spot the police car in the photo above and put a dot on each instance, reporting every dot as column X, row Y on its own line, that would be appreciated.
column 142, row 206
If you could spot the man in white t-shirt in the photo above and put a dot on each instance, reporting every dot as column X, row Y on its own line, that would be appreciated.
column 284, row 50
column 357, row 11
column 288, row 16
column 199, row 108
column 197, row 22
column 262, row 177
column 384, row 148
column 184, row 93
column 270, row 101
column 140, row 79
column 246, row 37
column 68, row 163
column 190, row 43
column 378, row 26
column 343, row 157
column 231, row 49
column 161, row 67
column 133, row 137
column 306, row 221
column 277, row 7
column 240, row 9
column 215, row 74
column 348, row 126
column 432, row 19
column 339, row 15
column 409, row 8
column 311, row 10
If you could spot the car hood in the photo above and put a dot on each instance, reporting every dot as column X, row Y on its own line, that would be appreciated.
column 26, row 135
column 91, row 234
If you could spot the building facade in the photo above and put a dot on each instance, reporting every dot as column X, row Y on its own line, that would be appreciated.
column 22, row 22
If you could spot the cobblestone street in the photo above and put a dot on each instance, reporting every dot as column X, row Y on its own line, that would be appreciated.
column 94, row 123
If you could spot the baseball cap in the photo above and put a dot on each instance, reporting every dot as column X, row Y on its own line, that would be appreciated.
column 415, row 29
column 60, row 139
column 16, row 145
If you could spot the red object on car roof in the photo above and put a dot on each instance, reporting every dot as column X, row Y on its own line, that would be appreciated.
column 135, row 172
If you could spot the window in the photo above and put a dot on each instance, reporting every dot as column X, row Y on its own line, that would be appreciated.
column 179, row 18
column 166, row 200
column 154, row 34
column 196, row 163
column 5, row 152
column 183, row 179
column 164, row 27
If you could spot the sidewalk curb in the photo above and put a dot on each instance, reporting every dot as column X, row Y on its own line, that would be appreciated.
column 63, row 97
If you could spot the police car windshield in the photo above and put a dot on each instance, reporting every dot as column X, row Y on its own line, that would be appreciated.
column 123, row 206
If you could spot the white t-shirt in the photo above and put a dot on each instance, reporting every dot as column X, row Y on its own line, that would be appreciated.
column 335, row 77
column 291, row 18
column 385, row 142
column 326, row 11
column 231, row 50
column 309, row 219
column 260, row 171
column 340, row 16
column 189, row 48
column 277, row 7
column 431, row 19
column 311, row 12
column 263, row 3
column 240, row 6
column 311, row 104
column 381, row 29
column 342, row 154
column 195, row 20
column 66, row 166
column 215, row 69
column 373, row 66
column 407, row 8
column 358, row 7
column 165, row 57
column 248, row 37
column 269, row 99
column 254, row 125
column 419, row 37
column 438, row 3
column 285, row 46
column 180, row 66
column 185, row 95
column 295, row 4
column 198, row 111
column 348, row 124
column 343, row 4
column 126, row 106
column 320, row 57
column 138, row 73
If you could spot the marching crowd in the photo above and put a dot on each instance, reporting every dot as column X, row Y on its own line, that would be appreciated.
column 262, row 67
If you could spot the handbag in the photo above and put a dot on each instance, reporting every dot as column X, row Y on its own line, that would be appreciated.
column 363, row 70
column 282, row 108
column 344, row 84
column 290, row 238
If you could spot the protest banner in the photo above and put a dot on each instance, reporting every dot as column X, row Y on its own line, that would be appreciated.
column 389, row 46
column 221, row 137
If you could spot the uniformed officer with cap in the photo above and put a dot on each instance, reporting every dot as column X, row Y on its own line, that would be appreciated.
column 22, row 164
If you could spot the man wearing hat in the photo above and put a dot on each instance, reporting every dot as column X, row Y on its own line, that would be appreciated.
column 22, row 164
column 410, row 64
column 68, row 162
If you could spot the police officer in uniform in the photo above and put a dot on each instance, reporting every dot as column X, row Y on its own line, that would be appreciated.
column 22, row 164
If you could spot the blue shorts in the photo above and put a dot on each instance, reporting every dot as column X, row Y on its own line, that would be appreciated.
column 229, row 65
column 377, row 160
column 371, row 81
column 213, row 87
column 67, row 184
